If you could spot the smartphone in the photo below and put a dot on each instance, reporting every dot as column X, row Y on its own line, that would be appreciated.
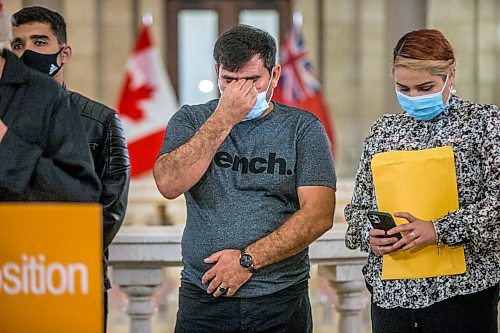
column 383, row 221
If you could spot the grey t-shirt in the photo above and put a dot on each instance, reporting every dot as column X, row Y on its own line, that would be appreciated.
column 250, row 188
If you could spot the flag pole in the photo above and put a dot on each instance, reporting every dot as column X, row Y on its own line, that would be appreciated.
column 147, row 101
column 297, row 20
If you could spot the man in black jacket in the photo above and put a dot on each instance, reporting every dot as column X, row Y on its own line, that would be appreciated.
column 43, row 154
column 39, row 39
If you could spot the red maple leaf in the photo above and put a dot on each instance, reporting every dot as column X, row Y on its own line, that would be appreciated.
column 131, row 97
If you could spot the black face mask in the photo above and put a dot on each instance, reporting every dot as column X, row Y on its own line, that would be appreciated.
column 44, row 63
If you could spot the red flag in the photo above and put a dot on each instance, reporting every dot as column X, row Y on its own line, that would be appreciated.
column 147, row 102
column 298, row 85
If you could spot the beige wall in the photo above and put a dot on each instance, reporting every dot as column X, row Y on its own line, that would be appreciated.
column 476, row 44
column 358, row 37
column 102, row 35
column 13, row 5
column 353, row 47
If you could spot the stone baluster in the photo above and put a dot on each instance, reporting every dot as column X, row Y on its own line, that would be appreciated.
column 139, row 285
column 138, row 255
column 349, row 285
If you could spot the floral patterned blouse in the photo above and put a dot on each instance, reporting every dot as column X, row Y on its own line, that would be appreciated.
column 473, row 131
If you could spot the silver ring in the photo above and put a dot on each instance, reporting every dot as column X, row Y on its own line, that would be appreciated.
column 222, row 289
column 412, row 235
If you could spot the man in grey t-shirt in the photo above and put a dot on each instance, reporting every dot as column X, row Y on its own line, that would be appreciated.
column 259, row 182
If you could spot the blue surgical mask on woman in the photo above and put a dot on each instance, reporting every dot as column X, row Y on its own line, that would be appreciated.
column 423, row 107
column 261, row 105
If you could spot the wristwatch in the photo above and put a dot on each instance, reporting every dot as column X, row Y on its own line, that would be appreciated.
column 246, row 261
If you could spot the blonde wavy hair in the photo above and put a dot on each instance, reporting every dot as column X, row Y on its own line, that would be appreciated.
column 434, row 67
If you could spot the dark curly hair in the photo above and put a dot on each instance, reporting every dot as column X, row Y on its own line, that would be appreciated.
column 37, row 14
column 238, row 45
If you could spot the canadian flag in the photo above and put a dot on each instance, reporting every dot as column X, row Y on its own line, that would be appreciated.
column 147, row 102
column 298, row 85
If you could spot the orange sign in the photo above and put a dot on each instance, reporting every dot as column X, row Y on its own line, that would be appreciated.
column 51, row 268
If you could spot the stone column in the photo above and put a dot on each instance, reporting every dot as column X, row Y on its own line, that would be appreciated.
column 139, row 284
column 402, row 17
column 348, row 282
column 56, row 5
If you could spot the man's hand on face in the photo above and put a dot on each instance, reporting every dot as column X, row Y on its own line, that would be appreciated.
column 238, row 99
column 3, row 130
column 226, row 272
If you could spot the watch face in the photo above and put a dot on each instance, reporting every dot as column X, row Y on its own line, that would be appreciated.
column 246, row 260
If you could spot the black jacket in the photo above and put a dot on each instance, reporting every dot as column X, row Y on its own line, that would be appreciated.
column 111, row 161
column 43, row 156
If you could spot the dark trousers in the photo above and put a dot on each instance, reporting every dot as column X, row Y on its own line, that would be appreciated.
column 286, row 311
column 471, row 313
column 105, row 313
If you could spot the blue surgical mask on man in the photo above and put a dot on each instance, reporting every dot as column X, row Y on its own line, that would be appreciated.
column 423, row 107
column 261, row 105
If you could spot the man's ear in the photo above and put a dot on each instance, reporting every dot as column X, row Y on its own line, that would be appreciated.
column 66, row 54
column 216, row 66
column 276, row 75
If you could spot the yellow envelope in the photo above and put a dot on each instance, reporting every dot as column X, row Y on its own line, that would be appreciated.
column 423, row 183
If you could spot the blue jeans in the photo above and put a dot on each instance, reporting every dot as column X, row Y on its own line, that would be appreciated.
column 472, row 313
column 286, row 311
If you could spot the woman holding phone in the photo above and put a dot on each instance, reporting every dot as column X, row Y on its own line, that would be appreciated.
column 424, row 71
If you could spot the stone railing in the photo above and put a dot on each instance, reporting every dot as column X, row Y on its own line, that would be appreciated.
column 139, row 253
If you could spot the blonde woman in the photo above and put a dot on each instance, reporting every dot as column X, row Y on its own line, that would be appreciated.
column 424, row 71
